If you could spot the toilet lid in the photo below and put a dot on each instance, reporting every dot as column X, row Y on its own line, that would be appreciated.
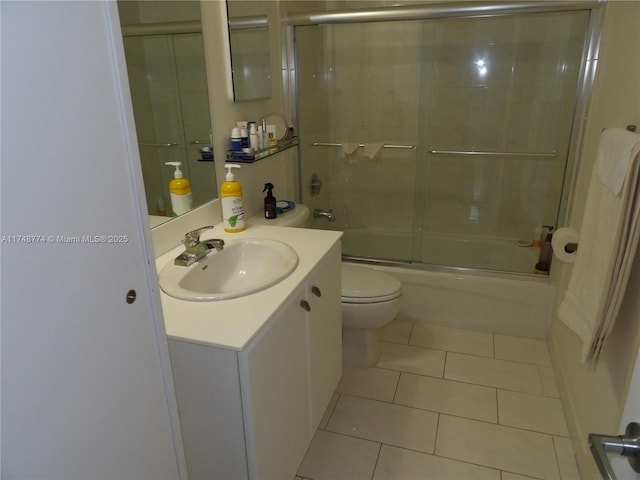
column 366, row 285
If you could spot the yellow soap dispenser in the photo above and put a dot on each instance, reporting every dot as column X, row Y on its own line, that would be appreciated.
column 232, row 206
column 180, row 190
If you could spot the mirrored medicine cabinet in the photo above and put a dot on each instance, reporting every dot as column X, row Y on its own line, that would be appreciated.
column 249, row 44
column 164, row 52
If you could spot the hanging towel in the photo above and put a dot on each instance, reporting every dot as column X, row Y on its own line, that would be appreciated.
column 372, row 149
column 347, row 149
column 614, row 157
column 608, row 240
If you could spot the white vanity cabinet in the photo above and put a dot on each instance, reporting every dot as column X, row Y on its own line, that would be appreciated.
column 324, row 327
column 252, row 413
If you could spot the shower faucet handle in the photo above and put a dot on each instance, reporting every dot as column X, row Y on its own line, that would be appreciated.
column 316, row 185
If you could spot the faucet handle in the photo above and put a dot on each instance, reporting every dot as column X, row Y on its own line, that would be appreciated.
column 193, row 237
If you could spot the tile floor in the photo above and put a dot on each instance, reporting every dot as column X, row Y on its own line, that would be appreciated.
column 448, row 404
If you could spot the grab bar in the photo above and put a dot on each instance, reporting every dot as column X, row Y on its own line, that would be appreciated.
column 501, row 154
column 361, row 145
column 159, row 145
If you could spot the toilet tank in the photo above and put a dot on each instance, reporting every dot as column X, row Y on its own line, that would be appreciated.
column 298, row 217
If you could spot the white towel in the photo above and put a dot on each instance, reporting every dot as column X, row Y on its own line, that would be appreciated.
column 372, row 149
column 608, row 240
column 347, row 149
column 614, row 156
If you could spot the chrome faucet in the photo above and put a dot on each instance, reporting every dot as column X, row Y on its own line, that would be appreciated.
column 328, row 214
column 195, row 249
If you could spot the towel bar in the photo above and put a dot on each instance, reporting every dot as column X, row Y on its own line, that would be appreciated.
column 361, row 145
column 501, row 154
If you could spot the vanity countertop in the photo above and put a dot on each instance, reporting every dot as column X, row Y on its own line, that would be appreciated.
column 232, row 323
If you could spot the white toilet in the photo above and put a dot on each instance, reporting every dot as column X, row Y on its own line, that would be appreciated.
column 370, row 300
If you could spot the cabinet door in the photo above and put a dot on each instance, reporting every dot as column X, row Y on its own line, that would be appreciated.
column 275, row 398
column 324, row 324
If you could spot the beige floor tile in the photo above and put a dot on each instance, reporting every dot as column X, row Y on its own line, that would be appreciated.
column 531, row 412
column 399, row 464
column 374, row 383
column 497, row 446
column 447, row 396
column 332, row 456
column 493, row 373
column 515, row 476
column 328, row 411
column 385, row 422
column 566, row 458
column 525, row 350
column 452, row 339
column 405, row 358
column 397, row 331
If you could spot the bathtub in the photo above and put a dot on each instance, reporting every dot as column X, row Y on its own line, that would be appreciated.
column 453, row 251
column 470, row 298
column 486, row 302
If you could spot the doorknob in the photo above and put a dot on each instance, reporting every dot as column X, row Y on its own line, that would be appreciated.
column 627, row 445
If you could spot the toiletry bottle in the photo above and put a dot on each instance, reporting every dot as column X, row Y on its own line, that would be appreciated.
column 265, row 134
column 232, row 207
column 253, row 137
column 260, row 138
column 546, row 252
column 537, row 236
column 180, row 190
column 245, row 140
column 236, row 140
column 160, row 207
column 269, row 202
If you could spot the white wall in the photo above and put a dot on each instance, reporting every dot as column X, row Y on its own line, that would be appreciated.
column 594, row 397
column 224, row 112
column 279, row 169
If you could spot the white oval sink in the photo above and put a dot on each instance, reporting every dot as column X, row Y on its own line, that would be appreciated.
column 242, row 267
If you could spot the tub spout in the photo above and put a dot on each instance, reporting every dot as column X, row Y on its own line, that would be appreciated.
column 328, row 214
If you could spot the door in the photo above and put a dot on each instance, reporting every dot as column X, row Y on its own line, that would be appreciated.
column 630, row 414
column 86, row 382
column 617, row 455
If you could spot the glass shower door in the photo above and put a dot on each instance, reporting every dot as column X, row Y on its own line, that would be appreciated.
column 358, row 88
column 497, row 103
column 441, row 141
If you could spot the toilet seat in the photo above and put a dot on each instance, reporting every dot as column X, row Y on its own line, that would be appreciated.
column 365, row 285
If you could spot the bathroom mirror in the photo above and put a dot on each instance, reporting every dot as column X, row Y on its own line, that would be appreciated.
column 249, row 44
column 165, row 62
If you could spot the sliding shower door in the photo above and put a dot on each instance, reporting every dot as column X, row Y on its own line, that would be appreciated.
column 497, row 103
column 359, row 88
column 440, row 141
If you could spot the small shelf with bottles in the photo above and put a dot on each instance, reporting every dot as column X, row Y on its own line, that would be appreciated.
column 241, row 157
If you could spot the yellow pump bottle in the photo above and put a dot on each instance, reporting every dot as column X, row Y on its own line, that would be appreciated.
column 180, row 191
column 232, row 206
